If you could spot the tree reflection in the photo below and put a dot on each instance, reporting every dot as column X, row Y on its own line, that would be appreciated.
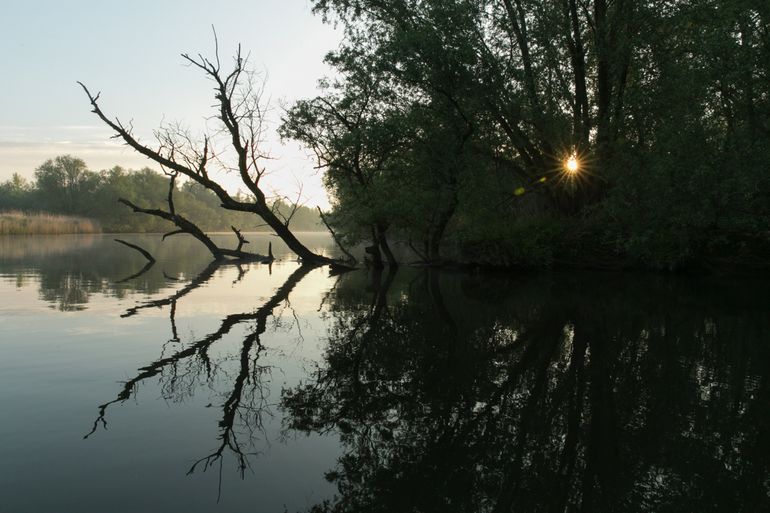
column 245, row 401
column 458, row 392
column 69, row 271
column 599, row 393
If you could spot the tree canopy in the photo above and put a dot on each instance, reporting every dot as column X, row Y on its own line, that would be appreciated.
column 447, row 124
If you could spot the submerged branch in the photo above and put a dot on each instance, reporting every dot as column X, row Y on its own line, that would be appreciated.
column 146, row 254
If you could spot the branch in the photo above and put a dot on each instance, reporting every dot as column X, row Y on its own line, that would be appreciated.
column 146, row 254
column 183, row 224
column 241, row 239
column 171, row 187
column 351, row 258
column 124, row 134
column 241, row 114
column 171, row 234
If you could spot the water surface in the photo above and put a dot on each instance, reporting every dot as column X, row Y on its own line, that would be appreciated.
column 194, row 387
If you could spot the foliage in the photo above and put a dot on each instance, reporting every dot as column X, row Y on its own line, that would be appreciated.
column 65, row 186
column 447, row 123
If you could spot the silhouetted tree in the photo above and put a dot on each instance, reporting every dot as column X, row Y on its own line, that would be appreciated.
column 240, row 113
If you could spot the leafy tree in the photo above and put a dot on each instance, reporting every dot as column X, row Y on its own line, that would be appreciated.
column 63, row 184
column 14, row 193
column 665, row 106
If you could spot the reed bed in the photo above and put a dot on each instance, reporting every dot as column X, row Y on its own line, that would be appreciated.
column 24, row 223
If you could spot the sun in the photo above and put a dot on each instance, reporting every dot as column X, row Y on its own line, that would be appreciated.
column 572, row 165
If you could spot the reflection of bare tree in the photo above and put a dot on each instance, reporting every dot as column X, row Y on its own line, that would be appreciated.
column 202, row 277
column 246, row 402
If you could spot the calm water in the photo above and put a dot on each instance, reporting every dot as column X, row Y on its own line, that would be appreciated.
column 280, row 388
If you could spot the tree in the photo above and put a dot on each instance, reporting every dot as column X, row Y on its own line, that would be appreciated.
column 240, row 114
column 14, row 193
column 393, row 155
column 356, row 146
column 663, row 105
column 63, row 183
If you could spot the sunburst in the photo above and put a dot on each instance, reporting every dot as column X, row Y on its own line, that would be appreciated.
column 573, row 168
column 572, row 164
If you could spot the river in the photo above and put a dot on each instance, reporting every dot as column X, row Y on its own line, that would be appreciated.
column 254, row 388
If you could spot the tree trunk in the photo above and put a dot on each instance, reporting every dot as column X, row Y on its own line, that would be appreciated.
column 382, row 240
column 437, row 234
column 374, row 251
column 263, row 211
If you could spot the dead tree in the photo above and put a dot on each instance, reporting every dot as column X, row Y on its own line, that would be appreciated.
column 184, row 225
column 240, row 114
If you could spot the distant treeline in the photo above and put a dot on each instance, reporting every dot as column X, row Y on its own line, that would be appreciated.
column 65, row 186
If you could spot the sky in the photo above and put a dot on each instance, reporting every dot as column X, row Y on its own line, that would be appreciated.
column 130, row 52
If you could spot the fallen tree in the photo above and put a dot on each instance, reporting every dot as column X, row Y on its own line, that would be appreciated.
column 241, row 115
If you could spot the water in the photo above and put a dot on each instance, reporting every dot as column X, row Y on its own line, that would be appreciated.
column 280, row 388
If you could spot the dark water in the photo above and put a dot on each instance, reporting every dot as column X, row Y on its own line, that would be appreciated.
column 199, row 388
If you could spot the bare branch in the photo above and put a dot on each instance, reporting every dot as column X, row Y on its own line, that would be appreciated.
column 171, row 234
column 241, row 239
column 146, row 254
column 350, row 256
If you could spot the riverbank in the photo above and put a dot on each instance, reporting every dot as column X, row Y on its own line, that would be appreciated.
column 22, row 223
column 600, row 244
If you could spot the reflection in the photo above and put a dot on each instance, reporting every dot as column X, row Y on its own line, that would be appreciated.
column 181, row 372
column 499, row 393
column 34, row 247
column 139, row 273
column 70, row 270
column 201, row 279
column 150, row 261
column 560, row 393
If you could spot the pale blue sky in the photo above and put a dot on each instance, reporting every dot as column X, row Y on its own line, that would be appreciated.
column 130, row 52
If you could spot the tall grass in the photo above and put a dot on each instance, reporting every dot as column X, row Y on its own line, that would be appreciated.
column 22, row 223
